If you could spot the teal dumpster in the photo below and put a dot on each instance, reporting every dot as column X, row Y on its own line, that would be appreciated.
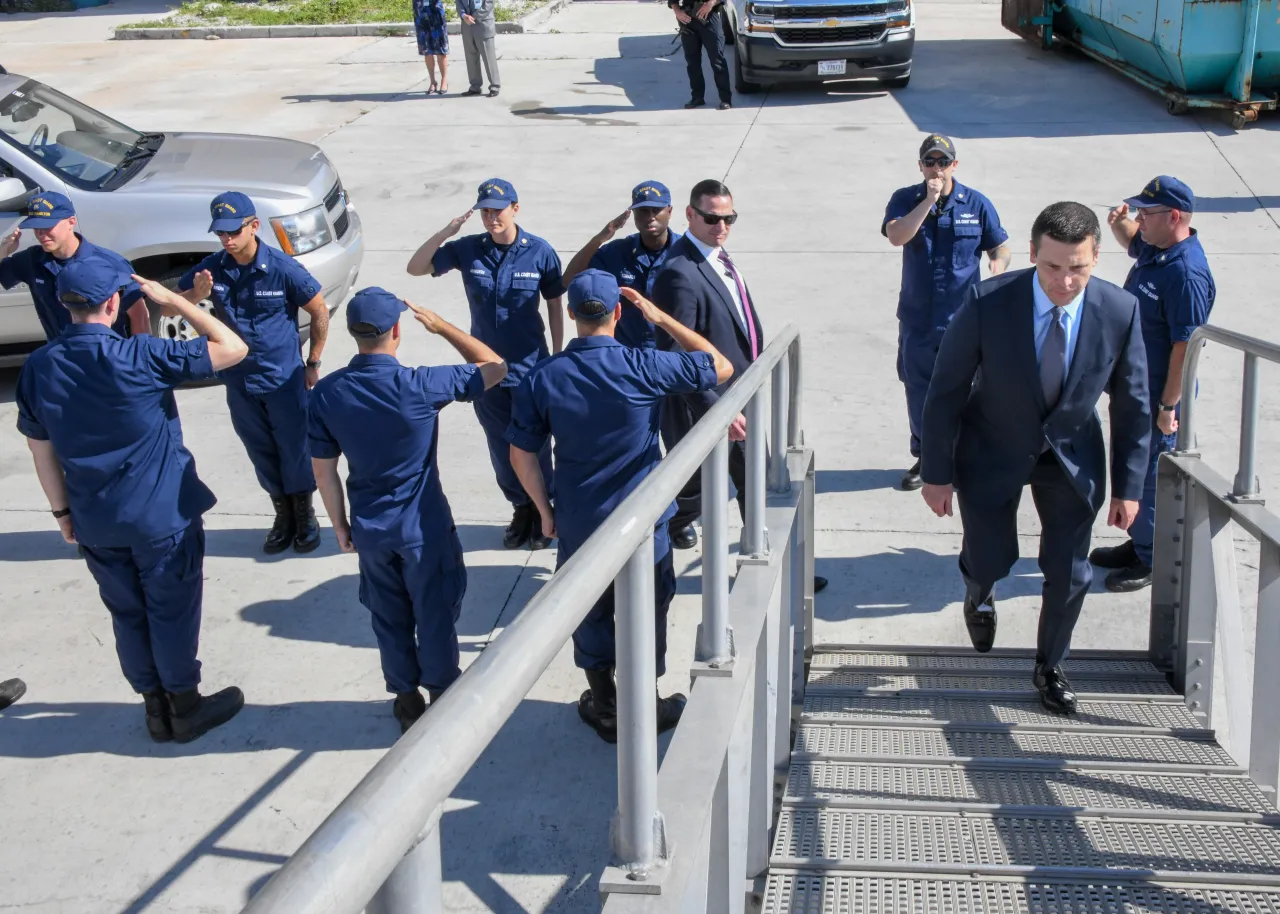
column 1196, row 53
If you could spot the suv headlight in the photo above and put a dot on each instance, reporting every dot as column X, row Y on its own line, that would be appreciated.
column 899, row 15
column 760, row 11
column 302, row 232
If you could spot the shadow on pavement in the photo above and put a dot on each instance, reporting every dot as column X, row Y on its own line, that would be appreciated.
column 827, row 481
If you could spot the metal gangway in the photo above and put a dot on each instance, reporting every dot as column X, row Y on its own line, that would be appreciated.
column 873, row 779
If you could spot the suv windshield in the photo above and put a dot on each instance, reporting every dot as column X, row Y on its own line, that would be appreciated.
column 84, row 147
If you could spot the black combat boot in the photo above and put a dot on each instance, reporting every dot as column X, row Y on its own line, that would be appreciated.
column 598, row 706
column 192, row 715
column 669, row 711
column 306, row 535
column 281, row 533
column 407, row 708
column 521, row 527
column 157, row 716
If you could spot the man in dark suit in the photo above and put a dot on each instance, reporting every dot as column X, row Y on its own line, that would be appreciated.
column 1013, row 401
column 701, row 287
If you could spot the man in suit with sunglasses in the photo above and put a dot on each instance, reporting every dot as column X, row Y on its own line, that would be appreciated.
column 702, row 287
column 257, row 290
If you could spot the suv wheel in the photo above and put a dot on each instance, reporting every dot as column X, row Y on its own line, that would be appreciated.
column 169, row 327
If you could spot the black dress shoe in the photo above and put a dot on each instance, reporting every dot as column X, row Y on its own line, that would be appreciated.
column 684, row 538
column 280, row 536
column 598, row 705
column 911, row 479
column 981, row 623
column 157, row 712
column 473, row 91
column 306, row 529
column 407, row 708
column 695, row 103
column 1121, row 556
column 669, row 711
column 521, row 526
column 1127, row 580
column 724, row 106
column 10, row 691
column 191, row 714
column 819, row 583
column 493, row 91
column 1055, row 690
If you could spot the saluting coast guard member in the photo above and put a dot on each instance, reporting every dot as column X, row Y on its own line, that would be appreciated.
column 633, row 261
column 943, row 229
column 102, row 424
column 258, row 290
column 601, row 401
column 382, row 415
column 52, row 218
column 504, row 271
column 1170, row 278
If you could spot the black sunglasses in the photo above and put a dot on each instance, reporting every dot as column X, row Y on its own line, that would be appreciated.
column 937, row 161
column 716, row 218
column 243, row 226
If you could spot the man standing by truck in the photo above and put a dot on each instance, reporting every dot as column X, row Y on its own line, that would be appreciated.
column 943, row 229
column 701, row 27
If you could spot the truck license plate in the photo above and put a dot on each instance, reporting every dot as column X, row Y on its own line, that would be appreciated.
column 831, row 67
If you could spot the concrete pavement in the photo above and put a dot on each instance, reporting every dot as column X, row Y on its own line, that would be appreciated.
column 100, row 820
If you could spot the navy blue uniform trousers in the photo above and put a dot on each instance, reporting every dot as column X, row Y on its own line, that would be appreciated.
column 154, row 593
column 1143, row 529
column 594, row 641
column 990, row 549
column 273, row 428
column 917, row 353
column 415, row 596
column 493, row 409
column 694, row 37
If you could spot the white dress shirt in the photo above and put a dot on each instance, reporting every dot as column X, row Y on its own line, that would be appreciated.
column 713, row 258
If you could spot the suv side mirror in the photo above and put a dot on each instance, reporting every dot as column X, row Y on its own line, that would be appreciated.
column 13, row 195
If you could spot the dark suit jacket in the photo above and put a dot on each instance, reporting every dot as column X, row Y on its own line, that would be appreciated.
column 688, row 289
column 985, row 422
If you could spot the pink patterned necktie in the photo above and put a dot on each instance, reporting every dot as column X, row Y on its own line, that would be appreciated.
column 746, row 302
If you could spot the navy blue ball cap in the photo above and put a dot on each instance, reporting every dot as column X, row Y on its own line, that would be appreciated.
column 593, row 287
column 47, row 210
column 229, row 210
column 89, row 280
column 1165, row 191
column 936, row 142
column 376, row 307
column 650, row 194
column 495, row 194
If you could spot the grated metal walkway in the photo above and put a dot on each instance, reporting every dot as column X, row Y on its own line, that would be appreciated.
column 928, row 781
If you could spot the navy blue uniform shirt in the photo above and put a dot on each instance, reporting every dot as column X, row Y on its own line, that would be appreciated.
column 634, row 265
column 503, row 288
column 382, row 415
column 107, row 405
column 1175, row 293
column 259, row 302
column 601, row 400
column 945, row 257
column 39, row 270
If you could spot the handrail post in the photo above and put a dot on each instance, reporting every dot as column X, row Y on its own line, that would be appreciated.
column 754, row 534
column 638, row 831
column 416, row 885
column 1264, row 733
column 715, row 636
column 795, row 428
column 1246, row 482
column 779, row 481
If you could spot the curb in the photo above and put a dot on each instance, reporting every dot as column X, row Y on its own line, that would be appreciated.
column 361, row 29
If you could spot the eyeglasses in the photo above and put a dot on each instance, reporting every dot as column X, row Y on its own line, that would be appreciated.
column 243, row 226
column 1145, row 211
column 716, row 218
column 936, row 162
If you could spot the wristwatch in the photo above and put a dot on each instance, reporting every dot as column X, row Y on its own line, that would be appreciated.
column 313, row 363
column 1167, row 409
column 61, row 513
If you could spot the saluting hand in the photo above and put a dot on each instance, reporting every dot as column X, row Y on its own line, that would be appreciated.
column 612, row 226
column 938, row 498
column 152, row 289
column 1118, row 214
column 426, row 317
column 456, row 224
column 203, row 284
column 652, row 313
column 10, row 243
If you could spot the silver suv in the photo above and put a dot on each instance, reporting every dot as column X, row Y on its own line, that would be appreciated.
column 146, row 196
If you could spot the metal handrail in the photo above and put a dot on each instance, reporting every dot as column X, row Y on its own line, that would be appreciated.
column 341, row 866
column 1246, row 484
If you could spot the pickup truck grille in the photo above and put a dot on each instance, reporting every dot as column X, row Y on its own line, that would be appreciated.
column 340, row 224
column 334, row 196
column 842, row 11
column 335, row 204
column 831, row 36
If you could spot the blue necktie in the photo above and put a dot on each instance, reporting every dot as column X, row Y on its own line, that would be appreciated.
column 1053, row 359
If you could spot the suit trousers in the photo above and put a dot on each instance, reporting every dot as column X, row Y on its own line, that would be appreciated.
column 478, row 47
column 694, row 37
column 273, row 429
column 677, row 419
column 155, row 593
column 493, row 409
column 595, row 640
column 990, row 549
column 414, row 594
